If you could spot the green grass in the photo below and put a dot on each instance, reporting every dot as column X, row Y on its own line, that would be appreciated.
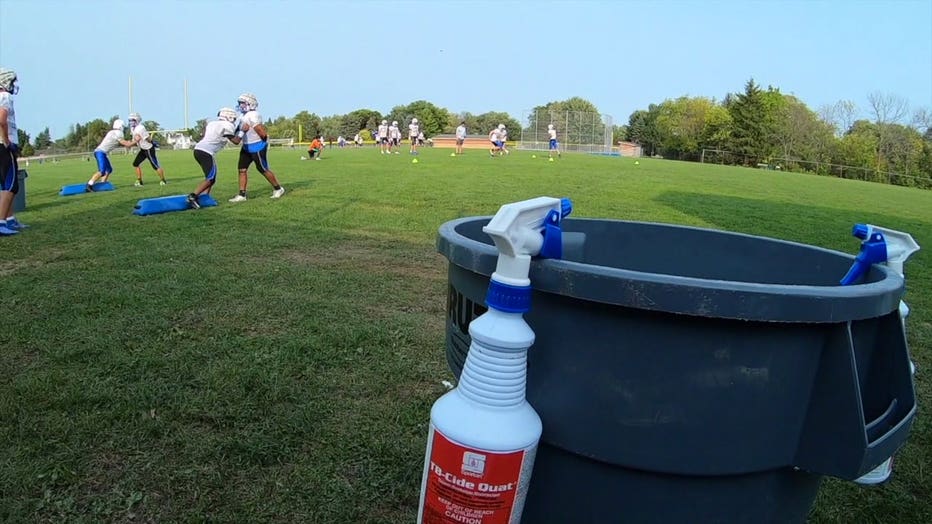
column 275, row 361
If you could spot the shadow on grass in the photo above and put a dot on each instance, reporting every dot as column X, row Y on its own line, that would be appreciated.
column 788, row 221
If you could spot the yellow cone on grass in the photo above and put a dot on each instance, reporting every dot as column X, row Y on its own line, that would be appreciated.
column 414, row 161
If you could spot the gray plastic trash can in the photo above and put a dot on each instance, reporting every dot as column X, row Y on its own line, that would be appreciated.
column 19, row 200
column 693, row 375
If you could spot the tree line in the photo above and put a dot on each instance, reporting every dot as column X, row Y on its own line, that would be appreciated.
column 752, row 127
column 766, row 127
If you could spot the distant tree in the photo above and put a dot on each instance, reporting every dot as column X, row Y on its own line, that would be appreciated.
column 197, row 132
column 681, row 126
column 358, row 120
column 886, row 109
column 310, row 125
column 26, row 148
column 754, row 115
column 642, row 129
column 841, row 116
column 487, row 121
column 43, row 140
column 330, row 126
column 281, row 127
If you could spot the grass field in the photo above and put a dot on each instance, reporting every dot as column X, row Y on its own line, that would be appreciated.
column 275, row 361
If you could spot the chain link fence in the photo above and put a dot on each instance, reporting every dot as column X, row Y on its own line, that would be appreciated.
column 576, row 131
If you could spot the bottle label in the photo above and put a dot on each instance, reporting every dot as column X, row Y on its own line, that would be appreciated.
column 472, row 486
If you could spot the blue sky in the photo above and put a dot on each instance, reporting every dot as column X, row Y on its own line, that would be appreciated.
column 75, row 58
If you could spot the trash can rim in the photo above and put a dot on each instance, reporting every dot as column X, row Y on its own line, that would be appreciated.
column 695, row 296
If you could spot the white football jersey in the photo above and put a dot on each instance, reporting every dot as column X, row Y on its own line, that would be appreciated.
column 494, row 136
column 383, row 131
column 111, row 141
column 394, row 132
column 215, row 136
column 413, row 130
column 552, row 133
column 141, row 131
column 461, row 132
column 253, row 118
column 6, row 101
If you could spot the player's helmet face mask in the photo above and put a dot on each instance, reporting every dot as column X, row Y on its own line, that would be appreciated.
column 134, row 119
column 247, row 102
column 8, row 81
column 227, row 114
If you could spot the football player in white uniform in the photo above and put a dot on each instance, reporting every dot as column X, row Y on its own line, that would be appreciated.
column 255, row 148
column 216, row 135
column 111, row 140
column 9, row 152
column 554, row 145
column 503, row 138
column 394, row 137
column 146, row 149
column 495, row 138
column 383, row 138
column 414, row 129
column 460, row 137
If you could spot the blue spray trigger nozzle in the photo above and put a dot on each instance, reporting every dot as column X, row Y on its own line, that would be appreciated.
column 860, row 231
column 552, row 247
column 566, row 207
column 873, row 251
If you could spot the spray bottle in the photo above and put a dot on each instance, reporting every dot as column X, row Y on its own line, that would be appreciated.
column 484, row 434
column 880, row 245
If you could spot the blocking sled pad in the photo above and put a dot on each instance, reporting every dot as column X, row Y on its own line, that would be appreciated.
column 78, row 189
column 154, row 206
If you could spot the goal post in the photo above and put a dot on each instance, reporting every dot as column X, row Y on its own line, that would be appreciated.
column 576, row 131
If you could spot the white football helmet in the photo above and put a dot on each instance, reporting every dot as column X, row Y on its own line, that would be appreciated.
column 134, row 119
column 549, row 126
column 394, row 122
column 8, row 81
column 414, row 120
column 118, row 124
column 247, row 102
column 501, row 126
column 227, row 114
column 384, row 122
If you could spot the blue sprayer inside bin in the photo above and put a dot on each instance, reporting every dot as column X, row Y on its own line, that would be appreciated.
column 730, row 370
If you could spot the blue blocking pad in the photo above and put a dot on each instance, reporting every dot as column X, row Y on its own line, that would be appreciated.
column 154, row 206
column 78, row 189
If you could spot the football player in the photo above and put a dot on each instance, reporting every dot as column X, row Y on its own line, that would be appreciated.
column 255, row 147
column 146, row 149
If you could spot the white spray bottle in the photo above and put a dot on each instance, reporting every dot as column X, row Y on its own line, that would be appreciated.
column 484, row 434
column 893, row 248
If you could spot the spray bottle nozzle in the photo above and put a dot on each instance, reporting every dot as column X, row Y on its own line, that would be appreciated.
column 879, row 245
column 522, row 230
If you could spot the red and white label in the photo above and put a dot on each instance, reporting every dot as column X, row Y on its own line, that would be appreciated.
column 472, row 486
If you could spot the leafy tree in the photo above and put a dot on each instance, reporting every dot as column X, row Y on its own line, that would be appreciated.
column 800, row 133
column 488, row 121
column 681, row 126
column 754, row 122
column 310, row 125
column 197, row 132
column 43, row 140
column 281, row 127
column 26, row 148
column 642, row 129
column 358, row 120
column 330, row 126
